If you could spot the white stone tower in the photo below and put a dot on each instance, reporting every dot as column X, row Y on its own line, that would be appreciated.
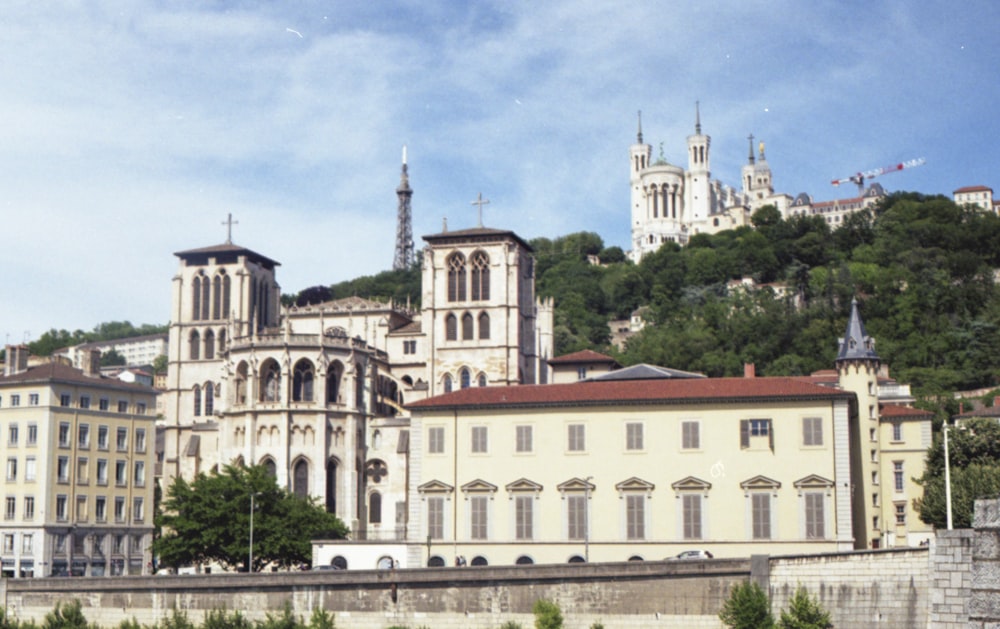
column 698, row 177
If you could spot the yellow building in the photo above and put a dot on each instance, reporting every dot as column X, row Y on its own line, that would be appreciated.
column 645, row 464
column 79, row 455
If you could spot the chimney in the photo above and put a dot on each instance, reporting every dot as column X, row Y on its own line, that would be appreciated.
column 17, row 360
column 92, row 363
column 749, row 370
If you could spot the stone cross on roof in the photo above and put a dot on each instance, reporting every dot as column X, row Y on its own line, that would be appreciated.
column 480, row 201
column 229, row 222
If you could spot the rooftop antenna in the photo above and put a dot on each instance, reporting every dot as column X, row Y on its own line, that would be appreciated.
column 403, row 258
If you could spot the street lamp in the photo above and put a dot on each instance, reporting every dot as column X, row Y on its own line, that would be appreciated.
column 250, row 560
column 586, row 519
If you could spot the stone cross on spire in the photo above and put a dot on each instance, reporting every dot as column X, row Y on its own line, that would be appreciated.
column 480, row 201
column 751, row 157
column 229, row 222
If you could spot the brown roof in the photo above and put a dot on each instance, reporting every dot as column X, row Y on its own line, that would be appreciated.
column 226, row 251
column 57, row 372
column 989, row 411
column 973, row 189
column 897, row 411
column 669, row 391
column 583, row 356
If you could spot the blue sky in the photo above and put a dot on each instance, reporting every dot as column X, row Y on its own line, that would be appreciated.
column 129, row 130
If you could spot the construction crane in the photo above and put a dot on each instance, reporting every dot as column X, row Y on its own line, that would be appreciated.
column 871, row 174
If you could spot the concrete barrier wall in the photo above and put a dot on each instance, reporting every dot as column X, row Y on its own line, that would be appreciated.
column 626, row 595
column 883, row 588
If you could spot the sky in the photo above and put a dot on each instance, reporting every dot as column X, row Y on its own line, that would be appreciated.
column 130, row 130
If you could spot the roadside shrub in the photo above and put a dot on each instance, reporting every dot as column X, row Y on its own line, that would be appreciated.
column 547, row 615
column 68, row 616
column 747, row 608
column 804, row 612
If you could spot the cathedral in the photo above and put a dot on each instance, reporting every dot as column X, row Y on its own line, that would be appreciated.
column 317, row 393
column 670, row 203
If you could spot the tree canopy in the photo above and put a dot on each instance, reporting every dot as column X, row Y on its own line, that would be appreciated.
column 208, row 520
column 54, row 340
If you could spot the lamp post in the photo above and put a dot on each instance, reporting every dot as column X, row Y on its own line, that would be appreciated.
column 947, row 476
column 586, row 519
column 250, row 559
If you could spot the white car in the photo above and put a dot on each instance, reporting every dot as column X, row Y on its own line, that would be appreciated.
column 692, row 554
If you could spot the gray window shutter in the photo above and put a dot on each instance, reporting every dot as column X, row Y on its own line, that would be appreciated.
column 744, row 433
column 770, row 433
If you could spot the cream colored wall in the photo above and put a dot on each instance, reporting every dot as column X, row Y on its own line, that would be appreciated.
column 720, row 461
column 911, row 451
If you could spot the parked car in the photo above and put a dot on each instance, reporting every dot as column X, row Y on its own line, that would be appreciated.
column 691, row 554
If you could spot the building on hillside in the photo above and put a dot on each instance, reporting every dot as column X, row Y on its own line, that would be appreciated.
column 317, row 393
column 979, row 196
column 79, row 471
column 643, row 463
column 670, row 203
column 580, row 366
column 136, row 350
column 621, row 330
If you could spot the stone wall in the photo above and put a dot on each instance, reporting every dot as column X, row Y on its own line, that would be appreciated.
column 951, row 578
column 626, row 595
column 984, row 598
column 883, row 588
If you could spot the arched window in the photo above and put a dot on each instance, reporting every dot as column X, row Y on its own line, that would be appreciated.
column 484, row 325
column 479, row 560
column 375, row 508
column 467, row 327
column 300, row 482
column 241, row 384
column 209, row 398
column 209, row 345
column 195, row 342
column 482, row 380
column 465, row 377
column 270, row 467
column 226, row 285
column 339, row 562
column 451, row 327
column 524, row 560
column 359, row 386
column 480, row 276
column 437, row 561
column 196, row 298
column 333, row 375
column 456, row 277
column 222, row 341
column 206, row 296
column 447, row 383
column 270, row 378
column 197, row 400
column 302, row 381
column 216, row 296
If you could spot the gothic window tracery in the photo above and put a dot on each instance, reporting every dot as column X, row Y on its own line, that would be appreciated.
column 456, row 277
column 480, row 276
column 484, row 325
column 209, row 345
column 302, row 381
column 333, row 376
column 300, row 477
column 197, row 400
column 451, row 327
column 465, row 377
column 196, row 298
column 216, row 296
column 194, row 351
column 209, row 398
column 206, row 296
column 270, row 377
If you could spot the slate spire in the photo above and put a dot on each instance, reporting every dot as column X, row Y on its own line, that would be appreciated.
column 856, row 344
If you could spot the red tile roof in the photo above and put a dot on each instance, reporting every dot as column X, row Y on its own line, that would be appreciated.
column 58, row 372
column 583, row 356
column 973, row 189
column 896, row 411
column 634, row 392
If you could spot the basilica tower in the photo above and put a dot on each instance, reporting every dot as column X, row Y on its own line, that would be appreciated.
column 699, row 173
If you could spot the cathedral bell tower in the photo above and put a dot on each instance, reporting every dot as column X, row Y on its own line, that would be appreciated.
column 699, row 172
column 640, row 155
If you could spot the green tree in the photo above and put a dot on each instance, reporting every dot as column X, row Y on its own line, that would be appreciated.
column 209, row 520
column 804, row 612
column 547, row 615
column 747, row 608
column 68, row 616
column 160, row 364
column 111, row 358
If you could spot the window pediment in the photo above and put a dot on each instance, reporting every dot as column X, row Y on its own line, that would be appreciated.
column 691, row 483
column 479, row 486
column 435, row 487
column 813, row 481
column 575, row 484
column 760, row 482
column 523, row 485
column 635, row 484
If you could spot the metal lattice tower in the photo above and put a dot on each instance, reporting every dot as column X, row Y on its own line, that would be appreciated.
column 404, row 222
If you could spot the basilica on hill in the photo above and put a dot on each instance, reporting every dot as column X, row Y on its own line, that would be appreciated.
column 318, row 393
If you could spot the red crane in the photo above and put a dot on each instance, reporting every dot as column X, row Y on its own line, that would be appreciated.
column 871, row 174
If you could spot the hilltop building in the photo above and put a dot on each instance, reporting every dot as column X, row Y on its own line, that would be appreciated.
column 642, row 463
column 79, row 477
column 670, row 203
column 979, row 196
column 317, row 392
